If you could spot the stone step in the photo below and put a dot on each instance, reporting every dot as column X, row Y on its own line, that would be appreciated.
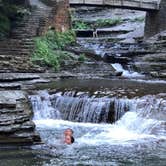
column 5, row 57
column 150, row 66
column 10, row 111
column 15, row 53
column 16, row 44
column 23, row 49
column 10, row 57
column 10, row 86
column 7, row 103
column 16, row 40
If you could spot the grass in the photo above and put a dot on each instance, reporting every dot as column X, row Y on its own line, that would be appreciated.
column 49, row 49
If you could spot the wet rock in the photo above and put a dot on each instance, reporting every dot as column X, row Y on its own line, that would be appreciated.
column 11, row 86
column 4, row 77
column 116, row 59
column 154, row 74
column 162, row 75
column 16, row 126
column 116, row 73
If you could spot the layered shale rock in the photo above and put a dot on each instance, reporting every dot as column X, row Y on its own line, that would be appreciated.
column 154, row 63
column 16, row 126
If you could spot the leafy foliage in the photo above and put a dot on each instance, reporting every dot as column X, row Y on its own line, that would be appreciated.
column 107, row 22
column 83, row 25
column 81, row 58
column 138, row 19
column 79, row 24
column 49, row 48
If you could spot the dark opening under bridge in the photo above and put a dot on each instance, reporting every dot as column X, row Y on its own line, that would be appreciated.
column 155, row 17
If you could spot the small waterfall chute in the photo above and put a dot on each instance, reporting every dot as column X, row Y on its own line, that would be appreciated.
column 145, row 115
column 126, row 73
column 70, row 106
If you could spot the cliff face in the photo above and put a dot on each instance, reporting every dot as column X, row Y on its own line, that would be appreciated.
column 16, row 126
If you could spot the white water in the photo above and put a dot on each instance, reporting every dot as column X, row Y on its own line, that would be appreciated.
column 81, row 108
column 145, row 120
column 118, row 67
column 126, row 131
column 138, row 137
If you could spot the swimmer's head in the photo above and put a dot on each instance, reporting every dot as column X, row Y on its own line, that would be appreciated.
column 68, row 132
column 69, row 139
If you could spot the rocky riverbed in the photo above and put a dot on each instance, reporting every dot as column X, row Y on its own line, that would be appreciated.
column 120, row 44
column 124, row 42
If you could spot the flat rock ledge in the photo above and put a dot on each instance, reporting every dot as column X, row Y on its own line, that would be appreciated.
column 16, row 125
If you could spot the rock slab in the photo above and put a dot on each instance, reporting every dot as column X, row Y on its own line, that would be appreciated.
column 16, row 125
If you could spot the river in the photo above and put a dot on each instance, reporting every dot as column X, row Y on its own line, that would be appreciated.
column 112, row 125
column 118, row 121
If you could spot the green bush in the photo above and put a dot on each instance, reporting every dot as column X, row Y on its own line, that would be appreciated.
column 107, row 22
column 81, row 58
column 138, row 19
column 49, row 48
column 79, row 24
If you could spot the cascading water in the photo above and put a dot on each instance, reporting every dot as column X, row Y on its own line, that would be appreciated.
column 139, row 125
column 126, row 73
column 81, row 108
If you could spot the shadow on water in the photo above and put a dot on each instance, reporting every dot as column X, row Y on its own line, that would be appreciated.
column 129, row 88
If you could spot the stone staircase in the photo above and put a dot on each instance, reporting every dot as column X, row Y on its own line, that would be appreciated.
column 15, row 52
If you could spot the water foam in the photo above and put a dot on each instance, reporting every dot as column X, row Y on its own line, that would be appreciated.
column 118, row 67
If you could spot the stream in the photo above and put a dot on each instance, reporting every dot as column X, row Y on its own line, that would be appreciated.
column 120, row 121
column 114, row 123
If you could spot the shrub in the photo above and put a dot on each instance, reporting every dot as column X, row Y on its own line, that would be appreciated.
column 49, row 48
column 81, row 58
column 79, row 24
column 138, row 19
column 107, row 22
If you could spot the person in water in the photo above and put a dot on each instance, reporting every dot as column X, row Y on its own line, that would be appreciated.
column 68, row 134
column 69, row 139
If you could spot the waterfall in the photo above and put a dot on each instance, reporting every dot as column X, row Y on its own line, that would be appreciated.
column 138, row 123
column 126, row 73
column 78, row 107
column 42, row 107
column 143, row 115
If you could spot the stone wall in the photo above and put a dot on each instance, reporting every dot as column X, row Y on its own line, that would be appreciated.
column 156, row 21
